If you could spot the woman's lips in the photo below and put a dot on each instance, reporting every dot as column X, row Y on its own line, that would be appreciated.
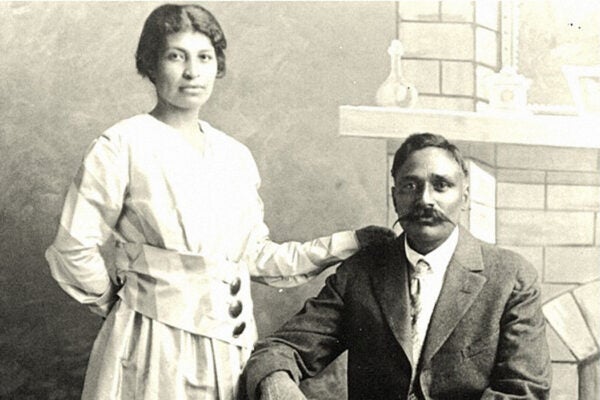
column 192, row 89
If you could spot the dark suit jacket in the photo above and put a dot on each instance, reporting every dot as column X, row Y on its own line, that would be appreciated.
column 486, row 337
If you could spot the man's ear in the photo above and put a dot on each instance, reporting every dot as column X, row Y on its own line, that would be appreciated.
column 465, row 198
column 394, row 198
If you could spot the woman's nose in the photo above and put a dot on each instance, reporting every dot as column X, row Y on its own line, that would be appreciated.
column 192, row 70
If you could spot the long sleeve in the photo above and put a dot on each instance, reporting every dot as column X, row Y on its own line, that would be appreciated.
column 91, row 209
column 307, row 343
column 291, row 263
column 522, row 367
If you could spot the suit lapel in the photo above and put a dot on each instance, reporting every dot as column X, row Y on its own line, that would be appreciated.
column 462, row 284
column 390, row 286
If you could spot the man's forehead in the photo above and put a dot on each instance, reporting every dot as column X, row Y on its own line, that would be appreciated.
column 433, row 159
column 408, row 175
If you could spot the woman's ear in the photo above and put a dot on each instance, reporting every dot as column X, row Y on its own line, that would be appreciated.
column 151, row 73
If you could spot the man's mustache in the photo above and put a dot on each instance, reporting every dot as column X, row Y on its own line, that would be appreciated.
column 421, row 212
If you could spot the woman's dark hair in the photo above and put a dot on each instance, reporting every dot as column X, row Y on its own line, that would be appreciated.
column 420, row 141
column 173, row 18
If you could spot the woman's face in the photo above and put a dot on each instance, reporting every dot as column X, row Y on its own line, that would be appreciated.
column 186, row 71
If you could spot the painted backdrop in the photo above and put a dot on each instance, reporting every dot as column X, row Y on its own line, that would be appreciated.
column 67, row 73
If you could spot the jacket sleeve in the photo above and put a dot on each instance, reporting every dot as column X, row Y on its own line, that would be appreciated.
column 92, row 206
column 291, row 263
column 307, row 343
column 522, row 368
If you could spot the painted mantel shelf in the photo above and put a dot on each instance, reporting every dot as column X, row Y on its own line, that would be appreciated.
column 545, row 130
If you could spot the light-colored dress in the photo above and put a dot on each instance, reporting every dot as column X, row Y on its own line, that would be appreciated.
column 190, row 236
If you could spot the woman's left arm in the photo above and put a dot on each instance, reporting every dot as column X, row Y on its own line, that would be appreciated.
column 293, row 263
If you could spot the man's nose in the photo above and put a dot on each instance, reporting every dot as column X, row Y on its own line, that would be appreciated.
column 426, row 195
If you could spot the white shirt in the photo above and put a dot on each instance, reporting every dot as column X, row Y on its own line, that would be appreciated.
column 431, row 282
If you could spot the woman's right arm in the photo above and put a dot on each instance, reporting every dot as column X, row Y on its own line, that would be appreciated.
column 91, row 209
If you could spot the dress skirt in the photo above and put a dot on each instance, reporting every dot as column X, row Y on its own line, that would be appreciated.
column 135, row 357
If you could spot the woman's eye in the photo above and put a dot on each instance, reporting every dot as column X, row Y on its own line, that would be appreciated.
column 205, row 57
column 174, row 56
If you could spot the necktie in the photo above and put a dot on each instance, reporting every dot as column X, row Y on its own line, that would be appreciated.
column 416, row 277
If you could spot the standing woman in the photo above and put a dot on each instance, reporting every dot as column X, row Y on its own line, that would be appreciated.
column 181, row 198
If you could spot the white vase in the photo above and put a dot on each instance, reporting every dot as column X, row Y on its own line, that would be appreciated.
column 395, row 91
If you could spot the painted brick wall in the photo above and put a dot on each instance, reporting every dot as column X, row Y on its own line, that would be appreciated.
column 547, row 199
column 449, row 47
column 548, row 203
column 547, row 208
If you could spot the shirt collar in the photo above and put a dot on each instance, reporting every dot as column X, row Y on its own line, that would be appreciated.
column 438, row 258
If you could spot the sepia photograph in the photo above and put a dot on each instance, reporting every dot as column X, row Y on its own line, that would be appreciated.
column 285, row 200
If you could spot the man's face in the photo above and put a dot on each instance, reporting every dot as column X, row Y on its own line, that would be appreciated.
column 429, row 193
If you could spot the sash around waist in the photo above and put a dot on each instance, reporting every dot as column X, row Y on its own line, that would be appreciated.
column 208, row 297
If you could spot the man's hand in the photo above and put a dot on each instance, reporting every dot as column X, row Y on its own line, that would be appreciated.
column 374, row 235
column 280, row 386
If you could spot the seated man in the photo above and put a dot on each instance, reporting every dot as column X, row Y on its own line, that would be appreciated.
column 436, row 314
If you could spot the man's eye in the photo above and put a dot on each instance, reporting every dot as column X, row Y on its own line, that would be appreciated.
column 409, row 187
column 441, row 186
